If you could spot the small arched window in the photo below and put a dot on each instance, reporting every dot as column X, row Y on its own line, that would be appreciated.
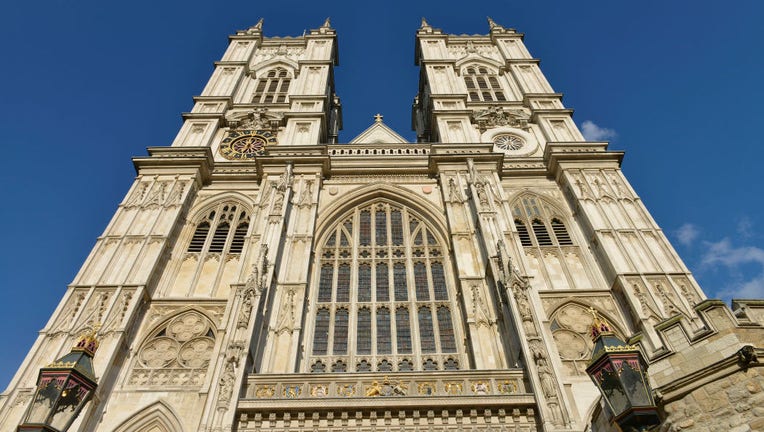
column 273, row 87
column 482, row 85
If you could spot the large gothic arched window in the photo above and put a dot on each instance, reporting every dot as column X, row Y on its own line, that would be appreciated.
column 381, row 296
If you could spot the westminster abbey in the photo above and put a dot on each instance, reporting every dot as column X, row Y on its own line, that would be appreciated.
column 259, row 275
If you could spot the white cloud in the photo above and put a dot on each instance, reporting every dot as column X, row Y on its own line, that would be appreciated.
column 687, row 233
column 734, row 258
column 592, row 132
column 745, row 227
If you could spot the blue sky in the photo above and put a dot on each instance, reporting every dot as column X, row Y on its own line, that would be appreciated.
column 86, row 85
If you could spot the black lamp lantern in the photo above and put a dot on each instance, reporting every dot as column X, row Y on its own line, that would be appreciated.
column 620, row 373
column 63, row 389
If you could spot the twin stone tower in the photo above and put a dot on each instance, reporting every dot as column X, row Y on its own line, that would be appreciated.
column 259, row 275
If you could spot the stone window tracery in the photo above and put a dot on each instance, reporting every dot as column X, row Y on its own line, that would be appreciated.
column 482, row 84
column 546, row 229
column 177, row 353
column 213, row 234
column 553, row 257
column 570, row 327
column 212, row 257
column 273, row 87
column 382, row 300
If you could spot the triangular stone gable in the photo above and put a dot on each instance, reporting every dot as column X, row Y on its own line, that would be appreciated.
column 378, row 133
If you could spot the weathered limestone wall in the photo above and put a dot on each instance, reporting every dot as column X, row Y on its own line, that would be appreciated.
column 734, row 403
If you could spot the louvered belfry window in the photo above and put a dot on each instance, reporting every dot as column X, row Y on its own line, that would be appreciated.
column 382, row 300
column 546, row 229
column 482, row 85
column 213, row 234
column 273, row 87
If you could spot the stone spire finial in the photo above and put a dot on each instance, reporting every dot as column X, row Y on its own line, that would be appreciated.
column 491, row 23
column 424, row 23
column 327, row 23
column 259, row 25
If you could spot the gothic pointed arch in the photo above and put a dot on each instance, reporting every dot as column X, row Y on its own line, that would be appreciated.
column 206, row 204
column 211, row 246
column 570, row 324
column 477, row 60
column 263, row 67
column 552, row 249
column 156, row 417
column 382, row 294
column 176, row 352
column 432, row 214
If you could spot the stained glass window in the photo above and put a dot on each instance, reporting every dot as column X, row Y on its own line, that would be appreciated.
column 354, row 292
column 364, row 234
column 405, row 365
column 363, row 345
column 426, row 333
column 364, row 283
column 325, row 283
column 446, row 328
column 340, row 331
column 439, row 281
column 380, row 227
column 403, row 330
column 343, row 283
column 321, row 334
column 420, row 282
column 383, row 288
column 396, row 227
column 399, row 282
column 384, row 366
column 384, row 341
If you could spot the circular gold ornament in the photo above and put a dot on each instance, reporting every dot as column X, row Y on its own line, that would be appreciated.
column 246, row 144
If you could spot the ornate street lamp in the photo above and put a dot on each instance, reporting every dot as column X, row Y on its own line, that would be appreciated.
column 63, row 389
column 620, row 373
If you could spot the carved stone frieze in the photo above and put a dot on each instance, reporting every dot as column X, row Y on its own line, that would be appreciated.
column 483, row 50
column 496, row 116
column 255, row 119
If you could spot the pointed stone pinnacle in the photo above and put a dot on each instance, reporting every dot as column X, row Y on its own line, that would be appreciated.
column 259, row 24
column 327, row 23
column 491, row 23
column 424, row 23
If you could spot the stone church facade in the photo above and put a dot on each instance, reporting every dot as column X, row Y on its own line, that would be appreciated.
column 259, row 275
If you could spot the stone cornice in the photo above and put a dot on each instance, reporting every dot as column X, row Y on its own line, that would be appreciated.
column 554, row 111
column 459, row 153
column 176, row 158
column 579, row 154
